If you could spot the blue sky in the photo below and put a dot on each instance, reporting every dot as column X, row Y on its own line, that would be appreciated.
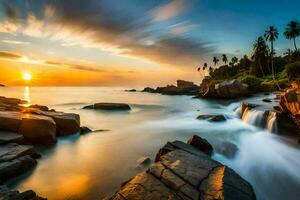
column 115, row 38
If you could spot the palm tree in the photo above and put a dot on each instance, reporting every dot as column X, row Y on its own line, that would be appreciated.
column 205, row 66
column 224, row 58
column 271, row 34
column 260, row 53
column 234, row 60
column 292, row 31
column 215, row 61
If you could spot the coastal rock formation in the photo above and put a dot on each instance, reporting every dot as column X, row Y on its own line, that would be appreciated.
column 10, row 121
column 212, row 118
column 225, row 90
column 182, row 88
column 108, row 106
column 184, row 172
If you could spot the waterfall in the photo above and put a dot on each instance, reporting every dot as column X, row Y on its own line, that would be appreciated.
column 260, row 118
column 253, row 117
column 271, row 122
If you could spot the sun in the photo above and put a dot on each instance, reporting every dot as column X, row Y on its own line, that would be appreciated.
column 27, row 76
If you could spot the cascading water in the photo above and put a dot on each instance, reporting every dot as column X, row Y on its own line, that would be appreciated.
column 272, row 122
column 260, row 118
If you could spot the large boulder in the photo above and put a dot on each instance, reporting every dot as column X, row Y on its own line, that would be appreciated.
column 10, row 121
column 232, row 89
column 184, row 172
column 108, row 106
column 38, row 129
column 225, row 148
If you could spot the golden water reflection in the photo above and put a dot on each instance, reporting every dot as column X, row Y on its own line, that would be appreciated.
column 26, row 95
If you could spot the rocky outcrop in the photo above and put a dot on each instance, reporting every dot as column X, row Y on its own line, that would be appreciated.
column 10, row 121
column 108, row 106
column 225, row 148
column 7, row 194
column 182, row 88
column 212, row 118
column 224, row 90
column 184, row 172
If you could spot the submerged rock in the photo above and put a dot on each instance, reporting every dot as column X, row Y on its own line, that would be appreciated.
column 7, row 194
column 132, row 90
column 184, row 172
column 225, row 148
column 201, row 144
column 267, row 100
column 212, row 118
column 108, row 106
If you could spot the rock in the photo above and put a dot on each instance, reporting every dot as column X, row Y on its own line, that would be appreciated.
column 132, row 90
column 267, row 100
column 225, row 148
column 12, row 151
column 1, row 85
column 38, row 129
column 66, row 123
column 10, row 121
column 16, row 167
column 212, row 118
column 201, row 144
column 40, row 107
column 149, row 89
column 232, row 89
column 108, row 106
column 143, row 161
column 184, row 172
column 267, row 93
column 7, row 194
column 84, row 130
column 278, row 108
column 10, row 137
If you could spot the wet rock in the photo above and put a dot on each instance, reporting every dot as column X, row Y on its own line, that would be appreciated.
column 38, row 129
column 12, row 151
column 267, row 100
column 143, row 161
column 184, row 172
column 225, row 148
column 84, row 130
column 16, row 167
column 10, row 121
column 212, row 118
column 201, row 144
column 10, row 137
column 108, row 106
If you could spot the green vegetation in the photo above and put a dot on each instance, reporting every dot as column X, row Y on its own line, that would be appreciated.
column 264, row 70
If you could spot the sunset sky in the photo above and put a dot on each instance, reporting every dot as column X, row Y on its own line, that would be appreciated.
column 129, row 42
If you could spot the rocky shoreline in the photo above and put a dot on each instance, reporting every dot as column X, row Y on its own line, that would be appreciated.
column 21, row 127
column 186, row 171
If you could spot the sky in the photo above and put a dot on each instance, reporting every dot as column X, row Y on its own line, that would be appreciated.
column 130, row 42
